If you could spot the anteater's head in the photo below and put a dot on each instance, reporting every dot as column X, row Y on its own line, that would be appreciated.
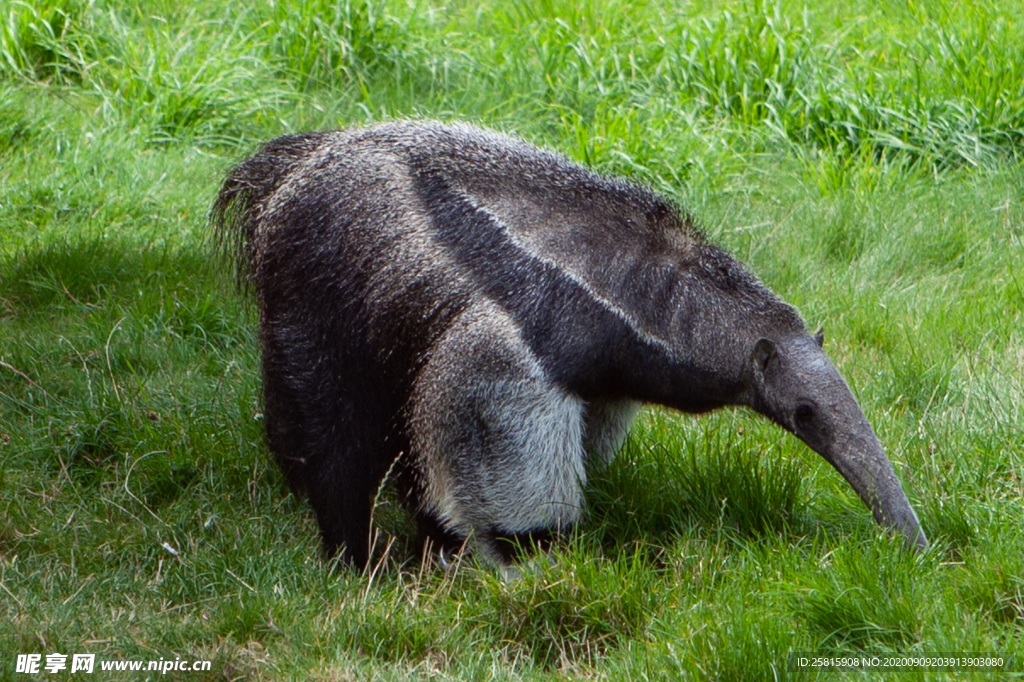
column 793, row 383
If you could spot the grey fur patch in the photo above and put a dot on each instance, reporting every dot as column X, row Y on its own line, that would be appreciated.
column 500, row 445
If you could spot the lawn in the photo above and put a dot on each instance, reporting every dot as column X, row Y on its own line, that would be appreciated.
column 864, row 159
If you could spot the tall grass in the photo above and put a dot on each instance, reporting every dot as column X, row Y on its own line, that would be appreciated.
column 317, row 43
column 863, row 158
column 44, row 40
column 948, row 93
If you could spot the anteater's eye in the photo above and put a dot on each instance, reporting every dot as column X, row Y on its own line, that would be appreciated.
column 804, row 414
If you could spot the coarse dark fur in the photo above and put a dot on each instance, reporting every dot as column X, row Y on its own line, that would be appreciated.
column 494, row 314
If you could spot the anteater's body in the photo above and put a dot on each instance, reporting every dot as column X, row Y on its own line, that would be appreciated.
column 495, row 315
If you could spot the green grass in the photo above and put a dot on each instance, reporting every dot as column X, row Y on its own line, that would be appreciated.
column 863, row 158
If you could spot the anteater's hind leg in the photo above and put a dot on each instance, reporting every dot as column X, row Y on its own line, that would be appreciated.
column 342, row 485
column 283, row 421
column 329, row 426
column 499, row 446
column 355, row 447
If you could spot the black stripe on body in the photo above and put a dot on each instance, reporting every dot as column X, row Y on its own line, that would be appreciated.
column 580, row 341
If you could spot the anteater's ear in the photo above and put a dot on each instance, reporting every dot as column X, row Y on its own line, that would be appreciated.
column 819, row 336
column 765, row 353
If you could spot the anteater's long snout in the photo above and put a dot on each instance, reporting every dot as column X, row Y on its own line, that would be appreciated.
column 862, row 462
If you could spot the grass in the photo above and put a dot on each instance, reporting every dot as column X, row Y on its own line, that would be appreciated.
column 863, row 158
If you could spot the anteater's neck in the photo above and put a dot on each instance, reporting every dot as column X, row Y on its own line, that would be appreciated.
column 700, row 357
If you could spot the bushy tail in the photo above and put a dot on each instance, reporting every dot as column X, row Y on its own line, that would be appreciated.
column 238, row 213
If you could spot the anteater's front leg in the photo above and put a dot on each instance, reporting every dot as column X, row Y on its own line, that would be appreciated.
column 499, row 446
